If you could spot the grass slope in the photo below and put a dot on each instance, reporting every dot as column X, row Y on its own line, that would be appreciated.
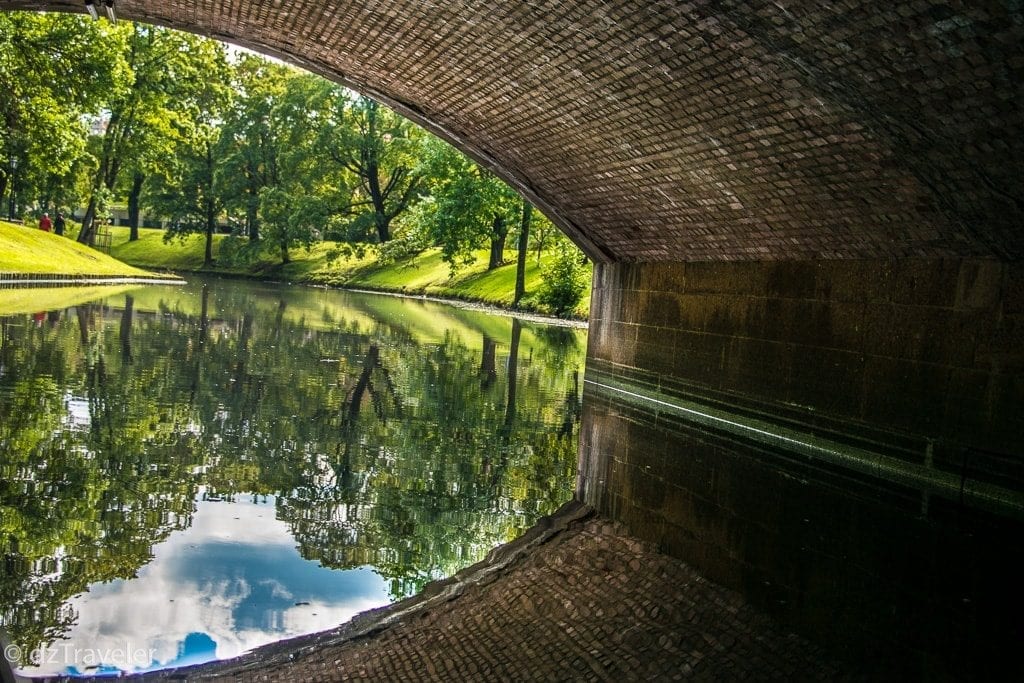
column 30, row 250
column 32, row 299
column 425, row 273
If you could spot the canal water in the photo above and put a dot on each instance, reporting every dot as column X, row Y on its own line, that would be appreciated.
column 187, row 473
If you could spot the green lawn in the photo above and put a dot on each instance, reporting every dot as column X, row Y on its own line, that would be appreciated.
column 149, row 251
column 425, row 273
column 31, row 299
column 26, row 249
column 29, row 250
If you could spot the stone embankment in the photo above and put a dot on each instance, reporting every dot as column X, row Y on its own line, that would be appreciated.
column 13, row 280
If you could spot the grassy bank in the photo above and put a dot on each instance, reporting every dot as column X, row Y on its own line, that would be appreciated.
column 424, row 274
column 31, row 299
column 30, row 250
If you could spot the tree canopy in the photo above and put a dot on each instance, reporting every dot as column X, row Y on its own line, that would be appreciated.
column 55, row 70
column 204, row 139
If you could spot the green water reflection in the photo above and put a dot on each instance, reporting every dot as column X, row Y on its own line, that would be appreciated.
column 404, row 435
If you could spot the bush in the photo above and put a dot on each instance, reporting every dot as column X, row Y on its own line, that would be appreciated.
column 402, row 246
column 410, row 233
column 235, row 250
column 347, row 251
column 564, row 281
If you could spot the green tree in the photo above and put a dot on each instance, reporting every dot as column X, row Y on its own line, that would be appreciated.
column 565, row 280
column 272, row 167
column 181, row 156
column 249, row 144
column 297, row 206
column 290, row 217
column 167, row 71
column 184, row 191
column 469, row 207
column 54, row 69
column 186, row 184
column 378, row 147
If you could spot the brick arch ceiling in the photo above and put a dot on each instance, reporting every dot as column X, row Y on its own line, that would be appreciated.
column 658, row 130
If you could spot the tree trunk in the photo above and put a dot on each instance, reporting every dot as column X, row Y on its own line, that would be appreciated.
column 252, row 203
column 524, row 238
column 106, row 176
column 285, row 258
column 133, row 205
column 380, row 217
column 370, row 168
column 87, row 235
column 252, row 220
column 204, row 315
column 85, row 325
column 369, row 363
column 572, row 408
column 126, row 328
column 383, row 229
column 499, row 231
column 513, row 371
column 211, row 224
column 242, row 353
column 488, row 369
column 12, row 208
column 200, row 347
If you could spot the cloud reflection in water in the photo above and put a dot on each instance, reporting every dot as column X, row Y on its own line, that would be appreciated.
column 231, row 582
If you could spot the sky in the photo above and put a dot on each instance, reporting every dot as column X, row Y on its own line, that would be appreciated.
column 231, row 582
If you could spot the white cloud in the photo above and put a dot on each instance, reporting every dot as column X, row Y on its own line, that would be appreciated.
column 234, row 576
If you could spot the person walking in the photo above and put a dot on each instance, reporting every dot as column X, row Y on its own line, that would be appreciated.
column 58, row 224
column 45, row 223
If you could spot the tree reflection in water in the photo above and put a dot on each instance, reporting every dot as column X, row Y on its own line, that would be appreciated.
column 408, row 436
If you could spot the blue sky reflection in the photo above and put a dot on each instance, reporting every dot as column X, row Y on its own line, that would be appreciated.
column 231, row 582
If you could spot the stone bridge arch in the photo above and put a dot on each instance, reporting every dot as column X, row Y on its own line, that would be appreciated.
column 806, row 359
column 675, row 131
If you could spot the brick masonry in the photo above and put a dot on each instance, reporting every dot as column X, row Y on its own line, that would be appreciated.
column 589, row 604
column 840, row 441
column 929, row 347
column 659, row 130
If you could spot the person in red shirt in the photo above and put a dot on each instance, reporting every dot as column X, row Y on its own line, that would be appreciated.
column 44, row 223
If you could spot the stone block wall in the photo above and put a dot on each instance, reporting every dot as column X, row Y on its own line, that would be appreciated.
column 840, row 440
column 934, row 348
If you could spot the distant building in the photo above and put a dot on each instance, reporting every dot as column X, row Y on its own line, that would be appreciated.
column 120, row 217
column 98, row 124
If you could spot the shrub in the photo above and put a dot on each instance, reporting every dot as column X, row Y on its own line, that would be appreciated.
column 564, row 281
